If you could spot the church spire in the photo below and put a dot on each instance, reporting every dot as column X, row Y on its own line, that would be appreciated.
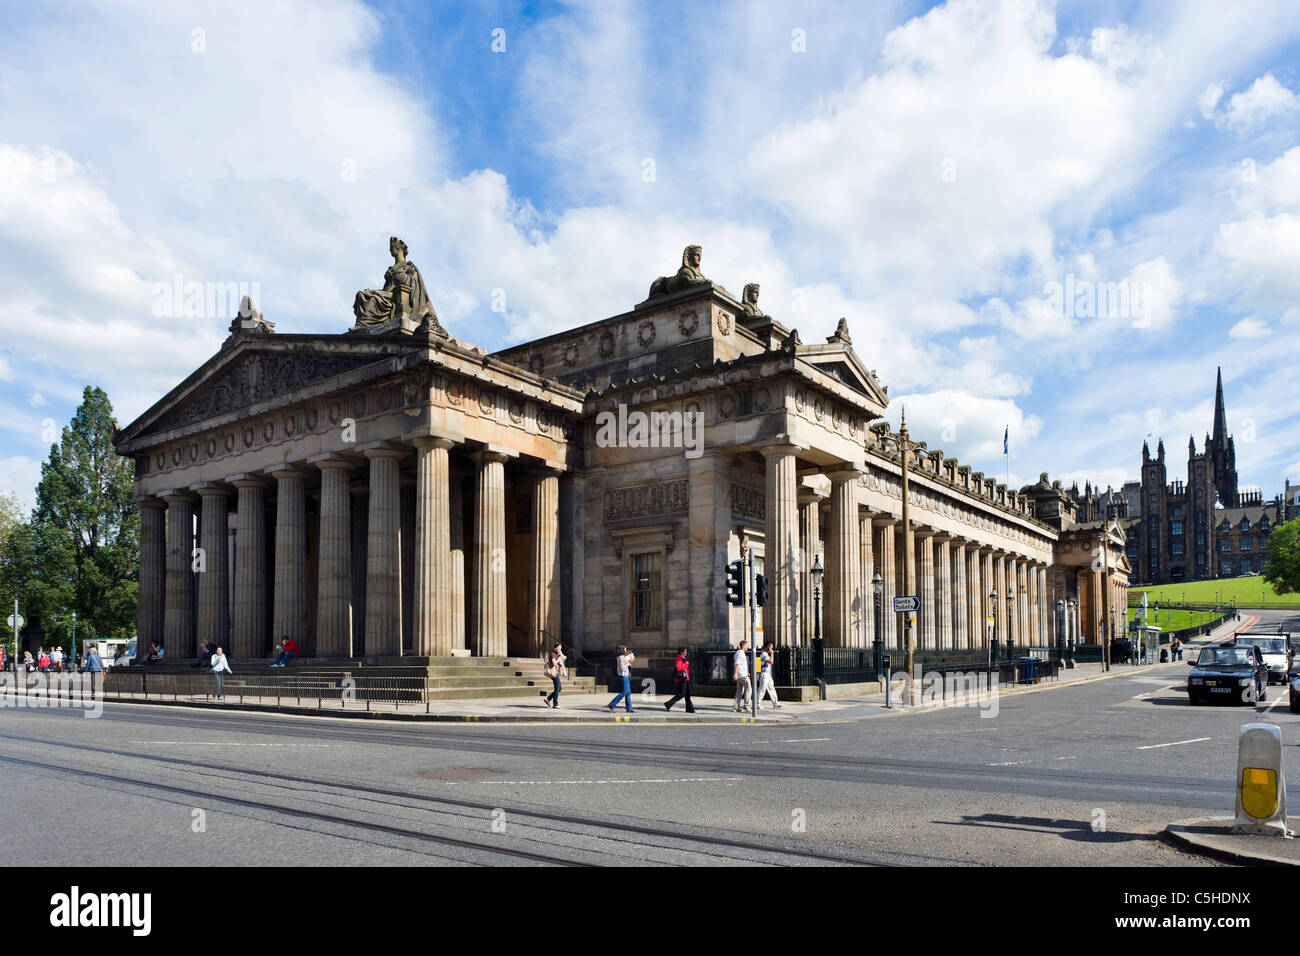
column 1220, row 416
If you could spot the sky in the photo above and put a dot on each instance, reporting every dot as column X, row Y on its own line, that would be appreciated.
column 1053, row 220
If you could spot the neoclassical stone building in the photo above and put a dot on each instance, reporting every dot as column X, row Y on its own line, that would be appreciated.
column 392, row 490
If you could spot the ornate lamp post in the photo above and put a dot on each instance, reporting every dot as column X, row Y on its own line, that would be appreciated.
column 878, row 590
column 1060, row 630
column 1071, row 631
column 818, row 655
column 993, row 635
column 72, row 657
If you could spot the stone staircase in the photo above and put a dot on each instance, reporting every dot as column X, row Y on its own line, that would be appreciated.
column 446, row 678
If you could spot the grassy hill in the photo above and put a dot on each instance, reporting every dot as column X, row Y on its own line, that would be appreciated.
column 1252, row 592
column 1172, row 619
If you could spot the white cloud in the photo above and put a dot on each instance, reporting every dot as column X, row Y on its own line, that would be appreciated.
column 1210, row 99
column 1249, row 328
column 18, row 476
column 1266, row 97
column 37, row 400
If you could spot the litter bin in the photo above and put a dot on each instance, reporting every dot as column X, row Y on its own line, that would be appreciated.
column 1164, row 655
column 1028, row 670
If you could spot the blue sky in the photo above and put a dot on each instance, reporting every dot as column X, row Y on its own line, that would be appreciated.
column 932, row 172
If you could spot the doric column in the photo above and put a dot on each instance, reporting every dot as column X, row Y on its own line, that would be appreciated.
column 432, row 635
column 810, row 543
column 1031, row 628
column 383, row 556
column 457, row 497
column 544, row 582
column 844, row 605
column 151, row 610
column 214, row 582
column 178, row 617
column 928, row 634
column 974, row 602
column 867, row 574
column 488, row 634
column 960, row 606
column 887, row 561
column 248, row 637
column 289, row 616
column 359, row 509
column 334, row 562
column 781, row 542
column 1044, row 605
column 943, row 594
column 989, row 583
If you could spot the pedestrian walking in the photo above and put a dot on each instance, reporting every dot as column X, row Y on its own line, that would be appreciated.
column 220, row 668
column 682, row 675
column 625, row 659
column 768, row 685
column 555, row 669
column 1177, row 649
column 740, row 674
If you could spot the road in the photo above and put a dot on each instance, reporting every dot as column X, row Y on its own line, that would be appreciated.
column 1080, row 775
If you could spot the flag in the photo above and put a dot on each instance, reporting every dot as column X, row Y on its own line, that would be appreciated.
column 1005, row 435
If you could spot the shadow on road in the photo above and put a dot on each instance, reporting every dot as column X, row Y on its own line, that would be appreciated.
column 1066, row 829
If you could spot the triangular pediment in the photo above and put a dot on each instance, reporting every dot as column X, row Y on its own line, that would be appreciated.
column 255, row 372
column 838, row 360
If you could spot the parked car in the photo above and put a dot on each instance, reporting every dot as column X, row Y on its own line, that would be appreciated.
column 1273, row 651
column 1227, row 671
column 1294, row 680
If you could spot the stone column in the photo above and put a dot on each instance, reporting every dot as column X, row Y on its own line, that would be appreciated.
column 867, row 574
column 844, row 604
column 1031, row 629
column 214, row 582
column 960, row 606
column 989, row 583
column 432, row 633
column 334, row 563
column 248, row 637
column 289, row 615
column 888, row 563
column 1045, row 606
column 488, row 634
column 544, row 582
column 974, row 601
column 781, row 541
column 359, row 489
column 178, row 619
column 151, row 610
column 383, row 556
column 457, row 497
column 809, row 546
column 943, row 594
column 927, row 636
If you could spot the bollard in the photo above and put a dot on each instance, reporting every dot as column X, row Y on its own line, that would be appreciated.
column 1261, row 786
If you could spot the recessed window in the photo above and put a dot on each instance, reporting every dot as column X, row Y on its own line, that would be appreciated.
column 647, row 591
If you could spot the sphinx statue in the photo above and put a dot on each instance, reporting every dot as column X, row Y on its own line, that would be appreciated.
column 688, row 274
column 749, row 302
column 403, row 297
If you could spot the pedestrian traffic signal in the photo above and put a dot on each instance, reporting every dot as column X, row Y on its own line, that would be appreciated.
column 736, row 583
column 760, row 589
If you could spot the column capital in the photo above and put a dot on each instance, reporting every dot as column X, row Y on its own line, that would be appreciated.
column 384, row 451
column 330, row 461
column 492, row 455
column 148, row 501
column 248, row 481
column 781, row 445
column 425, row 442
column 177, row 497
column 211, row 490
column 290, row 472
column 841, row 476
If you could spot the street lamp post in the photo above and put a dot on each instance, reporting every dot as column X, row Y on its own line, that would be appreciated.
column 1011, row 620
column 1071, row 630
column 993, row 633
column 1107, row 623
column 819, row 657
column 72, row 658
column 1060, row 630
column 877, row 645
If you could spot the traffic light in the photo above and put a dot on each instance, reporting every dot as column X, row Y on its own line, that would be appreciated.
column 736, row 583
column 760, row 589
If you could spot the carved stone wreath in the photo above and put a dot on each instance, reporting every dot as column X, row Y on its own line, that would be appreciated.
column 606, row 344
column 544, row 419
column 486, row 401
column 819, row 409
column 571, row 355
column 762, row 398
column 645, row 334
column 454, row 393
column 516, row 411
column 724, row 322
column 688, row 322
column 800, row 400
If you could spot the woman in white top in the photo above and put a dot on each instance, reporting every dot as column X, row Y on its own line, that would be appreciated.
column 625, row 659
column 220, row 668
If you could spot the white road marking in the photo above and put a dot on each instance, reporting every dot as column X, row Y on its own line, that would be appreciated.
column 1176, row 743
column 539, row 783
column 222, row 743
column 791, row 740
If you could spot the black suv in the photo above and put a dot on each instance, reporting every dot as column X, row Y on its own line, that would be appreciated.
column 1233, row 672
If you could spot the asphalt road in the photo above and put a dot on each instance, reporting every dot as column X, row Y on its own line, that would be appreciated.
column 1081, row 775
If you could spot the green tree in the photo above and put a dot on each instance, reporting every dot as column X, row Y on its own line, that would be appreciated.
column 85, row 533
column 1282, row 569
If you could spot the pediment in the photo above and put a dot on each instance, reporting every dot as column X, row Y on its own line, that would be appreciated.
column 253, row 374
column 841, row 363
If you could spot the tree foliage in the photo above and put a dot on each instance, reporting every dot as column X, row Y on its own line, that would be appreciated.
column 84, row 538
column 1282, row 569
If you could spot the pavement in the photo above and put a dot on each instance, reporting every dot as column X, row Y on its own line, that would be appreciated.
column 589, row 708
column 1213, row 837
